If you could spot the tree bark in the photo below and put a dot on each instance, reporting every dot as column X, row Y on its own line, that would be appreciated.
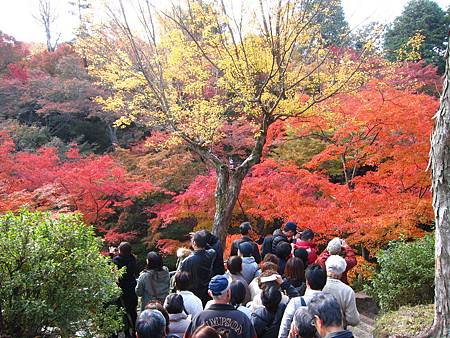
column 228, row 187
column 440, row 166
column 229, row 182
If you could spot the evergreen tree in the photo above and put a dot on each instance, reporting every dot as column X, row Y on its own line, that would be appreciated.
column 428, row 19
column 333, row 25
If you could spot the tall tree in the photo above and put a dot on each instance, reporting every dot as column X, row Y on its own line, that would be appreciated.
column 440, row 164
column 81, row 10
column 423, row 17
column 214, row 64
column 47, row 16
column 333, row 25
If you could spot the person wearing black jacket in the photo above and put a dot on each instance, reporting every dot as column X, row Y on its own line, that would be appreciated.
column 267, row 320
column 199, row 265
column 213, row 243
column 244, row 229
column 127, row 283
column 286, row 235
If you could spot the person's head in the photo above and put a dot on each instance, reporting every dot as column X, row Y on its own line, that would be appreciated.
column 326, row 312
column 270, row 257
column 316, row 277
column 307, row 235
column 183, row 252
column 199, row 240
column 151, row 324
column 271, row 298
column 210, row 238
column 268, row 273
column 269, row 266
column 219, row 289
column 302, row 254
column 302, row 325
column 125, row 249
column 335, row 266
column 234, row 265
column 238, row 291
column 294, row 269
column 245, row 228
column 174, row 303
column 158, row 307
column 290, row 229
column 245, row 249
column 154, row 261
column 183, row 281
column 205, row 331
column 334, row 246
column 283, row 250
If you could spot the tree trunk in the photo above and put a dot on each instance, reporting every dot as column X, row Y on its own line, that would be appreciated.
column 228, row 187
column 440, row 166
column 112, row 133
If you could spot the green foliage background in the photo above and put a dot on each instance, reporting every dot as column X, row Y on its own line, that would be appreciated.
column 426, row 17
column 53, row 277
column 406, row 275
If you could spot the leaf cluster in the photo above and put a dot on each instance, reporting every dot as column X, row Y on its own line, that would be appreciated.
column 406, row 275
column 53, row 278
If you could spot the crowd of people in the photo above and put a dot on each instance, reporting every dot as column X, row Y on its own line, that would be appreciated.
column 286, row 290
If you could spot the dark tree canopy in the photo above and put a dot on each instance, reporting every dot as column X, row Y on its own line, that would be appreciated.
column 427, row 18
column 333, row 25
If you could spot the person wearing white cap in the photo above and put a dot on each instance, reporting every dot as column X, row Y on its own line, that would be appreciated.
column 344, row 294
column 338, row 246
column 221, row 315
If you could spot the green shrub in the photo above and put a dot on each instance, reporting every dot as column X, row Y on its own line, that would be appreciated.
column 53, row 277
column 406, row 275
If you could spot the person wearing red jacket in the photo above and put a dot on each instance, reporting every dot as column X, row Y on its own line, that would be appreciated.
column 306, row 241
column 338, row 246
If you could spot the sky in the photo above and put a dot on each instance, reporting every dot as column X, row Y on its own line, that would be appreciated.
column 16, row 16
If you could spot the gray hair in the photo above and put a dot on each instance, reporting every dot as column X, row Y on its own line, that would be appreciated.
column 303, row 323
column 336, row 264
column 327, row 308
column 334, row 246
column 151, row 324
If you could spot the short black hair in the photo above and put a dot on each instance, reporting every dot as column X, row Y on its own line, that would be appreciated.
column 316, row 277
column 245, row 248
column 125, row 248
column 174, row 303
column 302, row 254
column 271, row 298
column 283, row 250
column 303, row 323
column 183, row 280
column 244, row 228
column 200, row 239
column 151, row 324
column 155, row 261
column 238, row 291
column 327, row 308
column 234, row 265
column 307, row 235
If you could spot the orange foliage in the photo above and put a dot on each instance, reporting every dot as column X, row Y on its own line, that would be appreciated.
column 369, row 183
